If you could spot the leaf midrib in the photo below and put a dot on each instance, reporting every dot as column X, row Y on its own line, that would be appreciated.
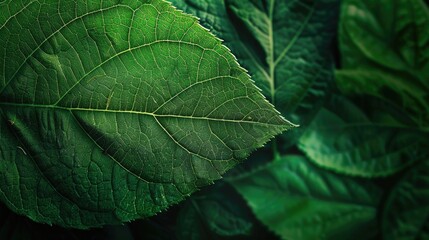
column 137, row 112
column 272, row 63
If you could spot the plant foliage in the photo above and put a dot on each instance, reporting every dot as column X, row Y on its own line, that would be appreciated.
column 117, row 110
column 114, row 111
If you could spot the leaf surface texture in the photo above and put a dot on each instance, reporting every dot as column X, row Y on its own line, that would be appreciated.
column 297, row 200
column 114, row 111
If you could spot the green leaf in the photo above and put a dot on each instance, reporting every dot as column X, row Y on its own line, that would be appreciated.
column 297, row 201
column 406, row 212
column 213, row 216
column 285, row 45
column 344, row 139
column 114, row 111
column 385, row 53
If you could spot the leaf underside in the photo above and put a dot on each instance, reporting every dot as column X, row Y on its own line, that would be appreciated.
column 114, row 111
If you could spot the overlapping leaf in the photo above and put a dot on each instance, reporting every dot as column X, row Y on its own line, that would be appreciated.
column 385, row 53
column 406, row 213
column 345, row 139
column 214, row 215
column 285, row 45
column 297, row 200
column 114, row 111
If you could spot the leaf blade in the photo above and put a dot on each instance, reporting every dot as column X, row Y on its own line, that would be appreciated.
column 116, row 111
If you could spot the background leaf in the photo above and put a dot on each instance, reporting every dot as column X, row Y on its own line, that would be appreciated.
column 385, row 53
column 345, row 139
column 297, row 200
column 406, row 212
column 208, row 215
column 111, row 112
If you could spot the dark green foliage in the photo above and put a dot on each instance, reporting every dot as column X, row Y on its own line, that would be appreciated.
column 297, row 200
column 115, row 111
column 285, row 46
column 347, row 140
column 207, row 215
column 374, row 128
column 406, row 212
column 356, row 168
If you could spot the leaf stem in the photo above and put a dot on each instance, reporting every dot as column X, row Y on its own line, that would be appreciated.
column 276, row 153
